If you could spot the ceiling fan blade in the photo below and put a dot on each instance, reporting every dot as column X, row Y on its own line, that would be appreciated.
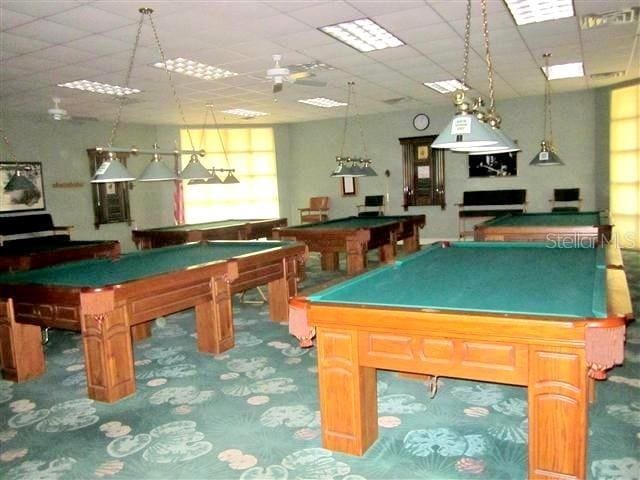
column 300, row 75
column 277, row 87
column 311, row 83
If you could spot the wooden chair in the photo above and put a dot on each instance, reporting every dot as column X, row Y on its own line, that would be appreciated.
column 569, row 198
column 373, row 206
column 317, row 211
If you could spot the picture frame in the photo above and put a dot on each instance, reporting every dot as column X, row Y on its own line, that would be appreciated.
column 493, row 165
column 22, row 200
column 349, row 186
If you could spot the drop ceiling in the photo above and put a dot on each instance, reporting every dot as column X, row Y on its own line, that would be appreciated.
column 44, row 43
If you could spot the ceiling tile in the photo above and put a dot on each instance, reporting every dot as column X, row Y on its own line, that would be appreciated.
column 47, row 31
column 19, row 44
column 10, row 19
column 91, row 19
column 39, row 8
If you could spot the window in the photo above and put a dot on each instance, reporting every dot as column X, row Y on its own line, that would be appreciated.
column 624, row 157
column 251, row 152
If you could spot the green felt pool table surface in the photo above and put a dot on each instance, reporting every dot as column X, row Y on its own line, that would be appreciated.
column 499, row 277
column 96, row 273
column 203, row 226
column 550, row 219
column 352, row 222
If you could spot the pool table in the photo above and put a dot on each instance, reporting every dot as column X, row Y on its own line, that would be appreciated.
column 29, row 255
column 524, row 314
column 555, row 228
column 239, row 229
column 356, row 236
column 112, row 301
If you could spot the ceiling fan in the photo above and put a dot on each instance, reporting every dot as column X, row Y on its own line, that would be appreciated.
column 58, row 113
column 298, row 74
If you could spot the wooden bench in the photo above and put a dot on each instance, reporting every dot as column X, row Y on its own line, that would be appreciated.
column 480, row 205
column 37, row 228
column 33, row 241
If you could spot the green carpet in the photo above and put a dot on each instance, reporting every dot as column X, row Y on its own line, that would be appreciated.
column 252, row 413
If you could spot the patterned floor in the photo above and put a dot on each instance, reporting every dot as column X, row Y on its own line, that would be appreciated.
column 252, row 413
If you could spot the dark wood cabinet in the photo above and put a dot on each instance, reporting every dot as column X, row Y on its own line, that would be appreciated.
column 423, row 172
column 110, row 200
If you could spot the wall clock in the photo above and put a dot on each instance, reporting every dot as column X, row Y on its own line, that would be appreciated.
column 421, row 121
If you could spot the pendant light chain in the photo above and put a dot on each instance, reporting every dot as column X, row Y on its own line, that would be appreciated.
column 355, row 106
column 224, row 151
column 487, row 55
column 346, row 118
column 467, row 40
column 547, row 102
column 116, row 122
column 204, row 126
column 149, row 11
column 9, row 149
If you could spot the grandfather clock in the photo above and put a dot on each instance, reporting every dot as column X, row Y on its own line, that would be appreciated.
column 110, row 200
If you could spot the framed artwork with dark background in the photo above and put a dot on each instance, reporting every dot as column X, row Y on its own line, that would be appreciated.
column 349, row 186
column 21, row 200
column 493, row 165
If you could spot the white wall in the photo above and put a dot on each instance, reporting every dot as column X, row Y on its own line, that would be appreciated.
column 61, row 147
column 314, row 145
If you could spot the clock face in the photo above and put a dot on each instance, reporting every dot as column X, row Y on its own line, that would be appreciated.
column 421, row 121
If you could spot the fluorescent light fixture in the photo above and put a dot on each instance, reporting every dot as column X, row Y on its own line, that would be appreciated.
column 241, row 112
column 195, row 69
column 446, row 86
column 323, row 102
column 364, row 35
column 533, row 11
column 97, row 87
column 566, row 70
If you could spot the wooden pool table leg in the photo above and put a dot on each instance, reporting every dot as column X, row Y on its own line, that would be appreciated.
column 558, row 409
column 387, row 253
column 278, row 300
column 214, row 320
column 108, row 351
column 21, row 353
column 412, row 243
column 282, row 289
column 348, row 396
column 141, row 331
column 329, row 261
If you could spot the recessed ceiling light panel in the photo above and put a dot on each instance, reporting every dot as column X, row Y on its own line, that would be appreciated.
column 97, row 87
column 364, row 35
column 241, row 112
column 566, row 70
column 323, row 102
column 533, row 11
column 195, row 69
column 446, row 86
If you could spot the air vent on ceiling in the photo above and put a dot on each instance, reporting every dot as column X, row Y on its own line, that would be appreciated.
column 607, row 75
column 623, row 17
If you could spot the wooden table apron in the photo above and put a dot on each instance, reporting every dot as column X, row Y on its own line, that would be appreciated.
column 356, row 242
column 547, row 356
column 599, row 234
column 243, row 230
column 66, row 253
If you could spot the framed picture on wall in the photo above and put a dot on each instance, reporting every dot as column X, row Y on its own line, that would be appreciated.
column 349, row 186
column 493, row 165
column 31, row 197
